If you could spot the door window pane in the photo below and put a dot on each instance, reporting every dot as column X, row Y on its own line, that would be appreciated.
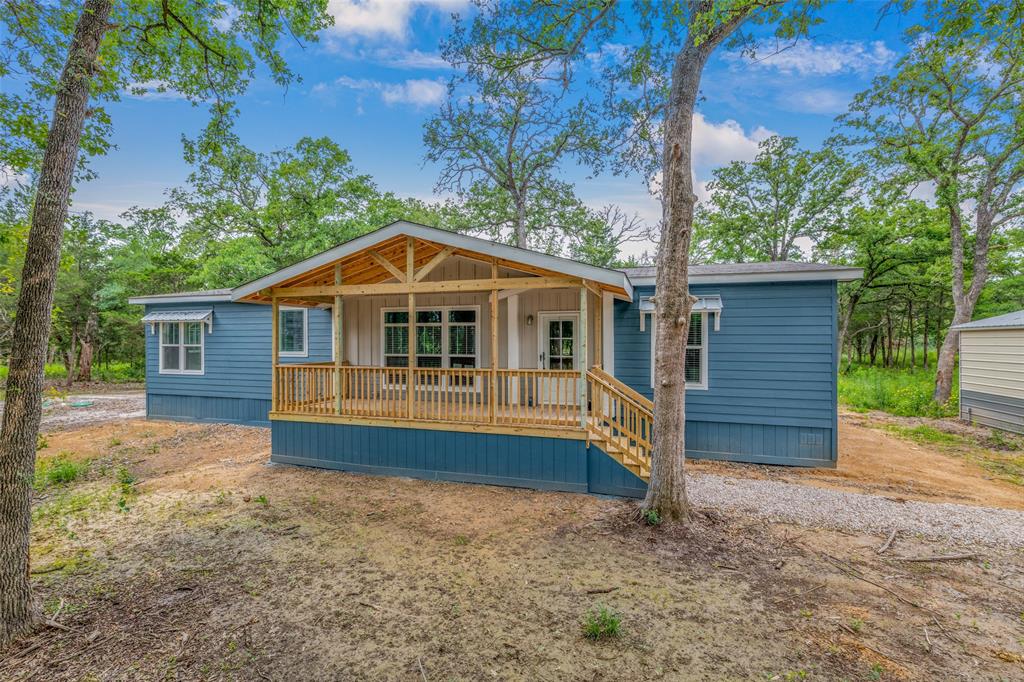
column 554, row 329
column 567, row 326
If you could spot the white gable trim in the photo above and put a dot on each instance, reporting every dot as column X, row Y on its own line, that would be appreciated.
column 613, row 278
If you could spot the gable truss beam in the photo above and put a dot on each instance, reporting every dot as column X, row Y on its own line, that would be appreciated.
column 386, row 264
column 441, row 256
column 390, row 288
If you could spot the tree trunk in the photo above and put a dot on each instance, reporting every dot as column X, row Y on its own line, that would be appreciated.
column 910, row 334
column 19, row 612
column 70, row 356
column 924, row 338
column 521, row 223
column 666, row 490
column 85, row 354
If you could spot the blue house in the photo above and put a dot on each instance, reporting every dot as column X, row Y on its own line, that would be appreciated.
column 419, row 352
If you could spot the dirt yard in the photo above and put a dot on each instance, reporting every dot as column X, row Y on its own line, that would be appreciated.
column 180, row 553
column 873, row 460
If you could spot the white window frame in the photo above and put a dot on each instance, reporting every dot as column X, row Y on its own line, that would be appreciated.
column 445, row 309
column 690, row 385
column 304, row 353
column 181, row 345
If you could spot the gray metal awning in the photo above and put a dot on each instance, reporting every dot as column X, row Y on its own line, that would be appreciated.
column 704, row 304
column 156, row 317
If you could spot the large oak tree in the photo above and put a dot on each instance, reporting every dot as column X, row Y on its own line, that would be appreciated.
column 67, row 57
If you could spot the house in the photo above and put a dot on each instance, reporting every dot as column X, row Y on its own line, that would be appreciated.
column 525, row 369
column 992, row 371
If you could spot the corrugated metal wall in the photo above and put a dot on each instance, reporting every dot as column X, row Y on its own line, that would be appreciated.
column 992, row 377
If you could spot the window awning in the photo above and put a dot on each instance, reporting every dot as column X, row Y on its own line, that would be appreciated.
column 156, row 317
column 704, row 304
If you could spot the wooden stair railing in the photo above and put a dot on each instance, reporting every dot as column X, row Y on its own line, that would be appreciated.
column 621, row 422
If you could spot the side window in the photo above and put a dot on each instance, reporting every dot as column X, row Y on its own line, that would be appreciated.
column 181, row 348
column 696, row 361
column 292, row 328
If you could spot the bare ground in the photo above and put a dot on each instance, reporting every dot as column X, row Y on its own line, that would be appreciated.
column 215, row 565
column 873, row 460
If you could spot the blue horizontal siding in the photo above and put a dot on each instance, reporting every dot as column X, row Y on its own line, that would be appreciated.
column 236, row 380
column 771, row 372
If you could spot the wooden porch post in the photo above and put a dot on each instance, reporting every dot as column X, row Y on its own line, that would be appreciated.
column 339, row 339
column 598, row 334
column 409, row 274
column 584, row 294
column 494, row 345
column 274, row 342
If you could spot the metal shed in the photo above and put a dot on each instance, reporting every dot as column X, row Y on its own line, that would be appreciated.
column 992, row 371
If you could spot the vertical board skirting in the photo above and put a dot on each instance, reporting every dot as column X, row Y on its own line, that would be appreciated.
column 248, row 411
column 496, row 459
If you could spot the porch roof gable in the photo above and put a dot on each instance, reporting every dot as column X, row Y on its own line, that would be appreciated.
column 614, row 280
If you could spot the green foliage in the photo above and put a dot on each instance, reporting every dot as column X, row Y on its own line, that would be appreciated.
column 601, row 622
column 115, row 372
column 57, row 470
column 903, row 392
column 759, row 209
column 651, row 517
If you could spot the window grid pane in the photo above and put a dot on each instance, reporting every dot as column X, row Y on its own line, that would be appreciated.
column 693, row 373
column 293, row 332
column 171, row 357
column 169, row 333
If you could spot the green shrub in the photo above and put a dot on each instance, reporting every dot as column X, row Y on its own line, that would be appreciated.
column 652, row 517
column 903, row 392
column 57, row 470
column 115, row 372
column 601, row 622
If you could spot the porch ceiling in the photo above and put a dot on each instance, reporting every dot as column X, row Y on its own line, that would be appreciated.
column 370, row 266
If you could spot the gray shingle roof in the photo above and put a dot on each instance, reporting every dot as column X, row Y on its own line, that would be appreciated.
column 778, row 267
column 1007, row 321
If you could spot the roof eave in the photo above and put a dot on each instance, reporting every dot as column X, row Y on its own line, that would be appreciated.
column 611, row 278
column 837, row 275
column 177, row 298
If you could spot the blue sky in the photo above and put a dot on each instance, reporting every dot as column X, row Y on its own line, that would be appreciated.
column 376, row 77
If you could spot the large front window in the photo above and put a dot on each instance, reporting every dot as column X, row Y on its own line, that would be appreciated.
column 444, row 337
column 181, row 347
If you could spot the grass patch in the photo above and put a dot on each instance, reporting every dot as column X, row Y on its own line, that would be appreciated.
column 903, row 392
column 57, row 470
column 115, row 372
column 601, row 622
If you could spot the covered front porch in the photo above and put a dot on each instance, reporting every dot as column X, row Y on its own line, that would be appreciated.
column 445, row 332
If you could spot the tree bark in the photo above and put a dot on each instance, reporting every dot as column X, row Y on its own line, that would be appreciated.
column 19, row 613
column 88, row 347
column 666, row 490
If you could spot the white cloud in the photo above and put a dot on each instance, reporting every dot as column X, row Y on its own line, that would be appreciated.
column 152, row 90
column 716, row 144
column 815, row 101
column 10, row 178
column 381, row 18
column 419, row 92
column 414, row 59
column 808, row 59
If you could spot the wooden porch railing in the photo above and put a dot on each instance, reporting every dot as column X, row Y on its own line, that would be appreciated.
column 507, row 397
column 621, row 421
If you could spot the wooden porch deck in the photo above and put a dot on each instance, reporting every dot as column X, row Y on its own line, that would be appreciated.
column 551, row 403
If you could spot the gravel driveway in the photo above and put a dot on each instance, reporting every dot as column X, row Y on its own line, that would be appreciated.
column 812, row 506
column 61, row 414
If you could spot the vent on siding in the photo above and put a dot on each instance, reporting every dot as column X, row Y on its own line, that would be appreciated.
column 812, row 438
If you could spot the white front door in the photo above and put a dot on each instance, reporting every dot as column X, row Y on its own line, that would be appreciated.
column 558, row 345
